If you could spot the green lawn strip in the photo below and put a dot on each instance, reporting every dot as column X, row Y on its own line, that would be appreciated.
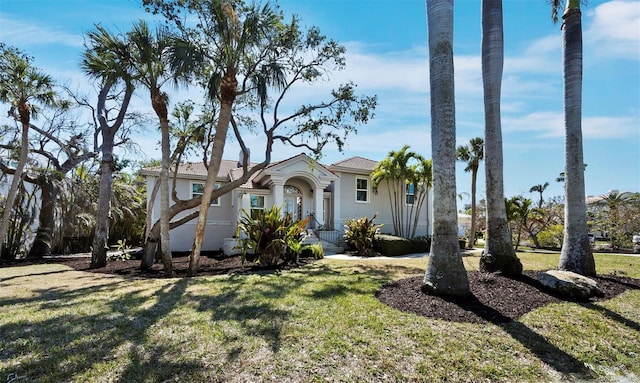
column 318, row 323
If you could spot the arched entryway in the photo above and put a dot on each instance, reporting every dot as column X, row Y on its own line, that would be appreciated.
column 293, row 201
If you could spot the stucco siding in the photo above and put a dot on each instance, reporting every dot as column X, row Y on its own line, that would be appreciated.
column 220, row 219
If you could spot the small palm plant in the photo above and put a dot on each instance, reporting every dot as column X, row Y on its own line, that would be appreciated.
column 360, row 233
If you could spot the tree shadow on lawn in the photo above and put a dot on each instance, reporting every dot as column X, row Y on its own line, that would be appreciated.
column 259, row 305
column 502, row 301
column 62, row 347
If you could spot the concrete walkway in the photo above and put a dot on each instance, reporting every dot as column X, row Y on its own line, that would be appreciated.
column 474, row 252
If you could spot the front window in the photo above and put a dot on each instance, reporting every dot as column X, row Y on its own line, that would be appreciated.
column 362, row 190
column 257, row 204
column 197, row 189
column 411, row 194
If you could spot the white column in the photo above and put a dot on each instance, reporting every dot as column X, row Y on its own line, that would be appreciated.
column 336, row 198
column 318, row 199
column 278, row 194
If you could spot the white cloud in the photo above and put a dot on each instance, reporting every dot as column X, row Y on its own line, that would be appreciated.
column 18, row 33
column 545, row 124
column 615, row 30
column 610, row 127
column 541, row 56
column 551, row 125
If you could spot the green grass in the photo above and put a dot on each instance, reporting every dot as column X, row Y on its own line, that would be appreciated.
column 318, row 323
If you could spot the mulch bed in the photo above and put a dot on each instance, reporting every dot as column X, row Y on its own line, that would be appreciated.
column 494, row 298
column 207, row 266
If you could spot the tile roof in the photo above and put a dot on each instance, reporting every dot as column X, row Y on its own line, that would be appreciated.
column 357, row 163
column 229, row 169
column 198, row 169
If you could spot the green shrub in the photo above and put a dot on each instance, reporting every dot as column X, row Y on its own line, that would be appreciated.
column 360, row 233
column 316, row 250
column 421, row 244
column 392, row 246
column 551, row 237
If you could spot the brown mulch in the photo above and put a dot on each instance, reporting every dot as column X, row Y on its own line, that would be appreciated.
column 207, row 266
column 494, row 298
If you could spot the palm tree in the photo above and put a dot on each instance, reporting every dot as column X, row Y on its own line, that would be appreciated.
column 576, row 252
column 472, row 154
column 151, row 63
column 421, row 177
column 498, row 254
column 232, row 42
column 445, row 274
column 23, row 87
column 401, row 170
column 539, row 189
column 106, row 60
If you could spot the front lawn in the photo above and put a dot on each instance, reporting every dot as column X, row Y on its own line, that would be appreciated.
column 320, row 322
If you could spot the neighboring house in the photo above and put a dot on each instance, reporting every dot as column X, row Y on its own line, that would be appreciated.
column 303, row 187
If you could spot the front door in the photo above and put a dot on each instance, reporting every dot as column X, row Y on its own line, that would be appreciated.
column 293, row 202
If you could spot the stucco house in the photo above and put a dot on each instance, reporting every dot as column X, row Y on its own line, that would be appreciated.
column 303, row 187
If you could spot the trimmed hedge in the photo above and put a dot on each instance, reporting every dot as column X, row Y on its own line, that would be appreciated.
column 392, row 246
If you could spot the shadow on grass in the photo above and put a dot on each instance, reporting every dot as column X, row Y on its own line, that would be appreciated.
column 612, row 315
column 551, row 355
column 33, row 274
column 502, row 301
column 97, row 322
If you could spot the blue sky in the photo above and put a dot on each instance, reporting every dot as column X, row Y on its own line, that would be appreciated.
column 387, row 55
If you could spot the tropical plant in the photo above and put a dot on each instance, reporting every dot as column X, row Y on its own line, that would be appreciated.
column 518, row 211
column 122, row 251
column 76, row 211
column 268, row 234
column 408, row 177
column 361, row 234
column 499, row 254
column 23, row 87
column 445, row 274
column 472, row 154
column 576, row 254
column 128, row 206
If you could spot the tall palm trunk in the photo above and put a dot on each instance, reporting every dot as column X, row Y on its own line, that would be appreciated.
column 499, row 254
column 25, row 116
column 228, row 89
column 445, row 274
column 472, row 234
column 160, row 107
column 576, row 252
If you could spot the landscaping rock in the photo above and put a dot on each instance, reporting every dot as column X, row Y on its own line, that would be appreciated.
column 570, row 284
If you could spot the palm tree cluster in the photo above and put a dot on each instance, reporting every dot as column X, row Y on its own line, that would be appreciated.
column 408, row 178
column 445, row 271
